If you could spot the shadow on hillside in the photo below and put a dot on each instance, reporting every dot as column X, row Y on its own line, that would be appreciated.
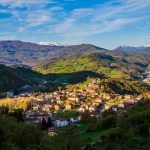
column 58, row 79
column 73, row 78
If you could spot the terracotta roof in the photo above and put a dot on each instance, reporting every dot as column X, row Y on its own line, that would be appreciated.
column 55, row 129
column 61, row 119
column 41, row 115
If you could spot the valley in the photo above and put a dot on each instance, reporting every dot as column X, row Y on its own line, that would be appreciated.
column 82, row 91
column 74, row 74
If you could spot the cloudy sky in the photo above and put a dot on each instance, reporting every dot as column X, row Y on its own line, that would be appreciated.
column 106, row 23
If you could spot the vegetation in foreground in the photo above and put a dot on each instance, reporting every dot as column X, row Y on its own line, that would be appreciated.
column 128, row 131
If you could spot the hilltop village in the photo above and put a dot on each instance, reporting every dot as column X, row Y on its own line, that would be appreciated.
column 89, row 98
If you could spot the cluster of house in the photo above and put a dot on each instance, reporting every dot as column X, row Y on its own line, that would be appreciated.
column 37, row 117
column 11, row 94
column 7, row 94
column 89, row 99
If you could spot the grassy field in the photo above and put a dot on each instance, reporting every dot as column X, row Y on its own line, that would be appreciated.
column 87, row 137
column 115, row 73
column 82, row 127
column 66, row 66
column 64, row 70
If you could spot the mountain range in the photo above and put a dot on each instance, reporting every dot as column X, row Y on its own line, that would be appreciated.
column 33, row 62
column 50, row 43
column 108, row 63
column 32, row 54
column 35, row 54
column 131, row 49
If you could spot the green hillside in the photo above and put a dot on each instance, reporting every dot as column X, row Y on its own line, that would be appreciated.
column 9, row 79
column 104, row 64
column 14, row 78
column 74, row 64
column 127, row 131
column 110, row 64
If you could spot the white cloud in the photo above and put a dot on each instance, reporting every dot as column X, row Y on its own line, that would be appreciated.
column 4, row 33
column 21, row 3
column 89, row 30
column 35, row 13
column 79, row 22
column 102, row 18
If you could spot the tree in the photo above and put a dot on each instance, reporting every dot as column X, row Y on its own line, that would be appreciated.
column 44, row 123
column 67, row 140
column 4, row 110
column 28, row 136
column 18, row 113
column 1, row 137
column 107, row 122
column 49, row 122
column 87, row 118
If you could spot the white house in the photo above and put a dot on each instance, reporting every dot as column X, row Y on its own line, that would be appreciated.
column 75, row 119
column 115, row 109
column 121, row 105
column 61, row 122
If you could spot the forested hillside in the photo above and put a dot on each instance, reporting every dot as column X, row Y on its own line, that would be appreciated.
column 109, row 63
column 10, row 79
column 13, row 78
column 127, row 131
column 32, row 54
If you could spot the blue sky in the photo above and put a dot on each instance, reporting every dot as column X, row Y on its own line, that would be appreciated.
column 106, row 23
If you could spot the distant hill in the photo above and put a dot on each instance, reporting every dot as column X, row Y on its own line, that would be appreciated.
column 141, row 49
column 32, row 54
column 109, row 63
column 10, row 79
column 145, row 50
column 13, row 78
column 129, row 48
column 67, row 64
column 76, row 69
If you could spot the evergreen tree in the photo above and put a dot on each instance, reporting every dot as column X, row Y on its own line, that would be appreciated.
column 44, row 124
column 49, row 122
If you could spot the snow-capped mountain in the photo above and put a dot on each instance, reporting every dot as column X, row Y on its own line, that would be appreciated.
column 140, row 49
column 129, row 48
column 50, row 43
